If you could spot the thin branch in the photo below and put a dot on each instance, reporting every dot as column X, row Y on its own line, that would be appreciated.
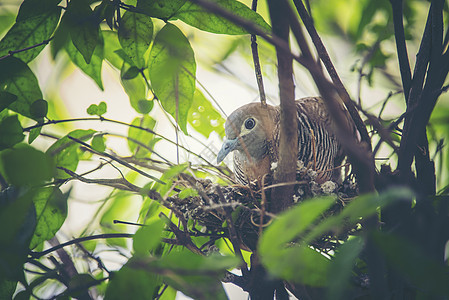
column 124, row 163
column 255, row 52
column 12, row 52
column 182, row 237
column 404, row 64
column 117, row 183
column 324, row 56
column 232, row 232
column 359, row 154
column 79, row 240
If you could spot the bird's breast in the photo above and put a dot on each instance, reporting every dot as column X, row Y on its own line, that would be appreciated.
column 248, row 169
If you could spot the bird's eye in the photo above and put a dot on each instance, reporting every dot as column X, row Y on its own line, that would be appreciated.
column 250, row 123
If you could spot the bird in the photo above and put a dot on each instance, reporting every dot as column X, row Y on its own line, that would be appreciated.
column 252, row 133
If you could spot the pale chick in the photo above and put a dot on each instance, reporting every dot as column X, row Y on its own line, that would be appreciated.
column 252, row 132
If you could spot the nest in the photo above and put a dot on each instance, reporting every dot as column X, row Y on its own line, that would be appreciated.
column 215, row 206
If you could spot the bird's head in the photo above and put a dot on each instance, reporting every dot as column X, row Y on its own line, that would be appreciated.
column 248, row 130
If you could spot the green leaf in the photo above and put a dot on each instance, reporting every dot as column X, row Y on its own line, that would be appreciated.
column 131, row 73
column 28, row 32
column 135, row 34
column 51, row 212
column 79, row 284
column 291, row 224
column 7, row 288
column 97, row 110
column 340, row 271
column 7, row 19
column 138, row 282
column 32, row 8
column 98, row 143
column 185, row 193
column 121, row 206
column 11, row 132
column 205, row 272
column 136, row 90
column 25, row 166
column 359, row 208
column 298, row 263
column 140, row 135
column 18, row 220
column 412, row 262
column 111, row 45
column 162, row 9
column 65, row 151
column 148, row 238
column 61, row 36
column 172, row 72
column 199, row 17
column 92, row 69
column 6, row 99
column 34, row 133
column 84, row 29
column 39, row 109
column 203, row 117
column 17, row 78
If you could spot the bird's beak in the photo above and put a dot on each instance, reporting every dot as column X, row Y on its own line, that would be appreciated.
column 228, row 146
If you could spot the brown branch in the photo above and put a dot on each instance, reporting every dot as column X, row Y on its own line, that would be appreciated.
column 233, row 233
column 257, row 69
column 182, row 237
column 401, row 47
column 324, row 56
column 117, row 183
column 79, row 240
column 359, row 154
column 281, row 197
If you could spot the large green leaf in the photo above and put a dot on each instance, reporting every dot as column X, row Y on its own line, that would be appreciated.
column 197, row 16
column 84, row 29
column 28, row 32
column 296, row 262
column 135, row 34
column 17, row 78
column 51, row 211
column 414, row 264
column 135, row 281
column 341, row 268
column 172, row 72
column 93, row 69
column 195, row 275
column 291, row 224
column 11, row 132
column 359, row 209
column 204, row 117
column 65, row 151
column 148, row 237
column 25, row 166
column 162, row 9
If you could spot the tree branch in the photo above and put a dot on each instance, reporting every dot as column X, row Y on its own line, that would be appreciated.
column 281, row 197
column 324, row 56
column 404, row 64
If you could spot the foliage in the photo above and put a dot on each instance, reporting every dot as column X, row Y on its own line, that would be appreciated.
column 189, row 226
